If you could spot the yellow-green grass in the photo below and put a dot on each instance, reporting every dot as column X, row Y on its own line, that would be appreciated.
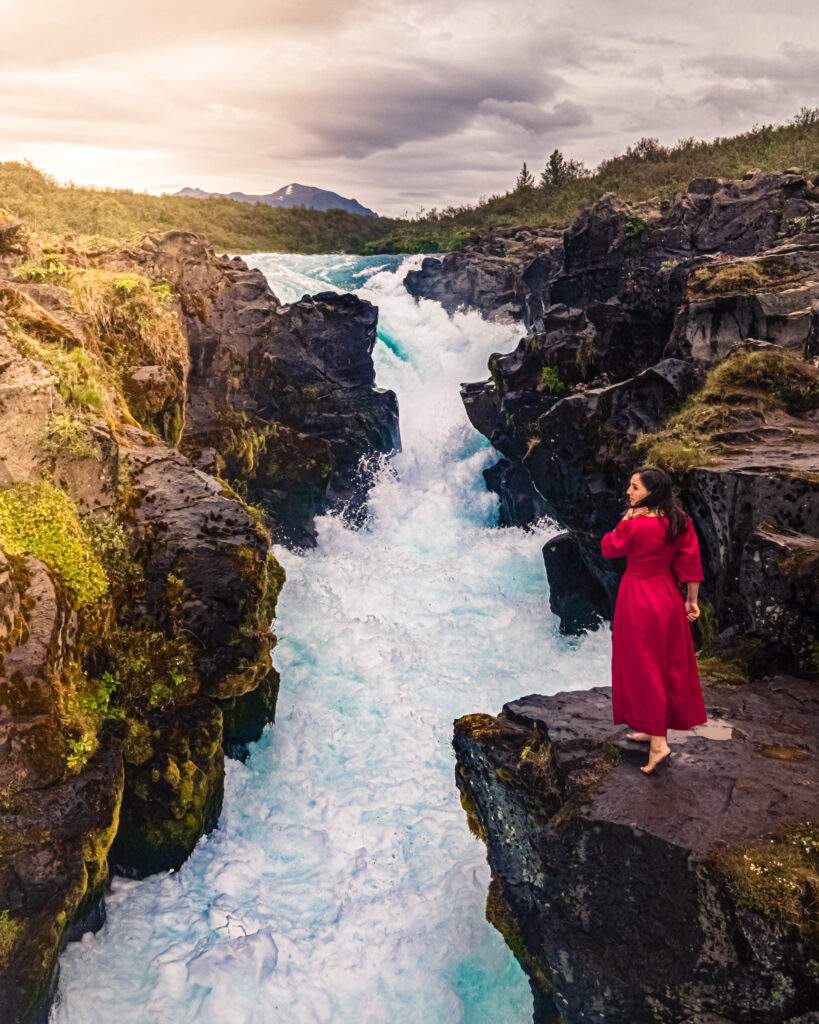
column 117, row 214
column 763, row 379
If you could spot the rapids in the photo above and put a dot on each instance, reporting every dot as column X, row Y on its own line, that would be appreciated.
column 342, row 884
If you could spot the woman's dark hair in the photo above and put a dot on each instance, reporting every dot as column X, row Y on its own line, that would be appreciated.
column 661, row 496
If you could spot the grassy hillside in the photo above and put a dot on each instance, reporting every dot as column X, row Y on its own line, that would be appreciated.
column 646, row 171
column 52, row 209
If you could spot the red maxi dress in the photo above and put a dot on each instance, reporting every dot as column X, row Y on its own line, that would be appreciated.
column 655, row 680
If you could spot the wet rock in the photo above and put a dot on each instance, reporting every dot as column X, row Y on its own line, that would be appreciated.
column 582, row 457
column 214, row 554
column 575, row 596
column 629, row 899
column 174, row 797
column 246, row 716
column 520, row 502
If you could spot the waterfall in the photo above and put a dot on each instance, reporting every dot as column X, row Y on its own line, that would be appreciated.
column 342, row 884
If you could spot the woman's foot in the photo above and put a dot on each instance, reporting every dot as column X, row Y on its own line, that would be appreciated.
column 638, row 737
column 658, row 757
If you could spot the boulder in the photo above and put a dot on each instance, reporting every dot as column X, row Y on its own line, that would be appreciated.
column 575, row 596
column 283, row 394
column 505, row 276
column 626, row 899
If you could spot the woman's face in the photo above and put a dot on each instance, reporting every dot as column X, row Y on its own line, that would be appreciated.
column 635, row 491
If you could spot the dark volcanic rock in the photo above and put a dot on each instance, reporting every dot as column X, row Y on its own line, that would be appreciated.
column 280, row 398
column 520, row 503
column 581, row 457
column 505, row 277
column 575, row 596
column 631, row 900
column 174, row 797
column 56, row 823
column 645, row 300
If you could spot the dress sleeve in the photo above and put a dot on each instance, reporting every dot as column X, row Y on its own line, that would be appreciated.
column 686, row 565
column 616, row 542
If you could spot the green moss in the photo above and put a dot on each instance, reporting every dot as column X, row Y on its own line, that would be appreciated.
column 67, row 436
column 111, row 544
column 10, row 928
column 41, row 520
column 722, row 671
column 778, row 877
column 137, row 747
column 473, row 818
column 274, row 579
column 152, row 670
column 550, row 380
column 499, row 914
column 756, row 380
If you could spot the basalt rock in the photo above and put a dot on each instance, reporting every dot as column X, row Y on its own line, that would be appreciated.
column 505, row 276
column 56, row 821
column 687, row 897
column 280, row 398
column 520, row 503
column 575, row 595
column 578, row 456
column 645, row 301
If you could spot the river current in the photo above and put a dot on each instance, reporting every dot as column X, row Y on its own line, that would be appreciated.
column 342, row 884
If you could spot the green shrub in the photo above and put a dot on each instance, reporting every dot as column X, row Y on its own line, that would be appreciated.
column 646, row 172
column 48, row 268
column 41, row 520
column 550, row 380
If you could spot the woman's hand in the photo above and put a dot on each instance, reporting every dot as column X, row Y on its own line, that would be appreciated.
column 692, row 610
column 632, row 513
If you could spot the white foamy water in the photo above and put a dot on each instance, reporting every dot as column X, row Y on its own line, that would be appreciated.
column 342, row 884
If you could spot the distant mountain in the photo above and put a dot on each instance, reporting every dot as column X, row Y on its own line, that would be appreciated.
column 289, row 196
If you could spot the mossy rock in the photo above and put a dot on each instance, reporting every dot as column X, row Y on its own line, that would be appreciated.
column 778, row 877
column 174, row 797
column 739, row 390
column 500, row 915
column 245, row 717
column 39, row 519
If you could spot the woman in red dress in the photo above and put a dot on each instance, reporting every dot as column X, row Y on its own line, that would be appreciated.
column 655, row 681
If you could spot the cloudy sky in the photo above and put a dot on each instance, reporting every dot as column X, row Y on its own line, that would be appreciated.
column 399, row 103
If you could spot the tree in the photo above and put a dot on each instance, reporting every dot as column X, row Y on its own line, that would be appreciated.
column 525, row 180
column 559, row 171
